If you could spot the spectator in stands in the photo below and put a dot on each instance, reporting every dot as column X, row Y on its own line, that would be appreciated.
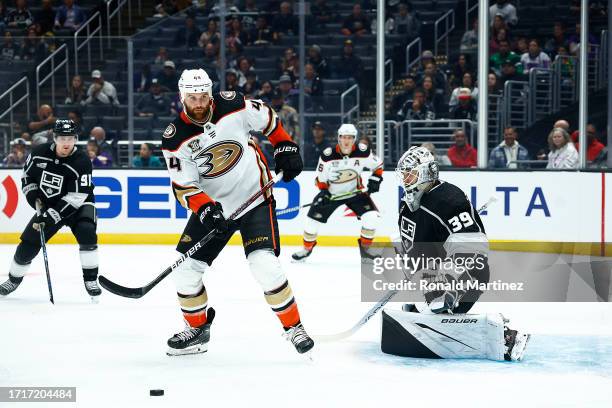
column 459, row 69
column 466, row 108
column 493, row 84
column 160, row 12
column 98, row 134
column 18, row 155
column 442, row 159
column 433, row 97
column 236, row 33
column 407, row 94
column 42, row 129
column 211, row 58
column 506, row 10
column 211, row 35
column 510, row 150
column 251, row 86
column 522, row 46
column 189, row 35
column 287, row 90
column 155, row 103
column 364, row 140
column 77, row 118
column 168, row 78
column 574, row 43
column 563, row 124
column 318, row 62
column 563, row 154
column 416, row 109
column 231, row 81
column 461, row 154
column 248, row 19
column 262, row 34
column 357, row 23
column 350, row 65
column 321, row 14
column 146, row 159
column 535, row 58
column 287, row 115
column 505, row 55
column 312, row 151
column 558, row 39
column 234, row 52
column 265, row 93
column 509, row 73
column 98, row 159
column 313, row 85
column 101, row 91
column 595, row 149
column 45, row 17
column 439, row 79
column 405, row 22
column 467, row 82
column 143, row 78
column 162, row 56
column 287, row 60
column 244, row 67
column 9, row 50
column 502, row 35
column 69, row 16
column 32, row 49
column 20, row 17
column 469, row 41
column 285, row 23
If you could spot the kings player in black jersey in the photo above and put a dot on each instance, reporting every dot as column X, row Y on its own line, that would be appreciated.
column 56, row 182
column 437, row 221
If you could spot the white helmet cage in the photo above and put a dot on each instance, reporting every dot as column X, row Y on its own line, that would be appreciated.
column 347, row 129
column 419, row 163
column 194, row 81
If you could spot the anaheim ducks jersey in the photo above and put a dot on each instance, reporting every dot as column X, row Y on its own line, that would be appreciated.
column 341, row 174
column 217, row 160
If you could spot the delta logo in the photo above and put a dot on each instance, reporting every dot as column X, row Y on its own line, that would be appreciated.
column 9, row 196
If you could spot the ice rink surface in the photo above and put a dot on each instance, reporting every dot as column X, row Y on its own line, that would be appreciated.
column 114, row 351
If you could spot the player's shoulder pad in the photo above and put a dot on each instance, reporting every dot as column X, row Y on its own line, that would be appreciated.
column 81, row 162
column 43, row 150
column 225, row 103
column 362, row 150
column 446, row 200
column 329, row 154
column 177, row 132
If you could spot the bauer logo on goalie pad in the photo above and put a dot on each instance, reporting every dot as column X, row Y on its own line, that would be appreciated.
column 344, row 176
column 407, row 231
column 51, row 184
column 218, row 159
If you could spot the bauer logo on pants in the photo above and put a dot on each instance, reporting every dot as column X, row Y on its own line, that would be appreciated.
column 51, row 184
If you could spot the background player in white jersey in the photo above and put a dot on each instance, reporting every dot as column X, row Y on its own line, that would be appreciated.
column 215, row 167
column 339, row 179
column 436, row 220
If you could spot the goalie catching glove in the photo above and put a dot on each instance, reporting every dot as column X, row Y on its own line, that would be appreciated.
column 288, row 160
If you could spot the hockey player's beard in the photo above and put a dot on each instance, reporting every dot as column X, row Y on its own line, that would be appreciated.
column 199, row 115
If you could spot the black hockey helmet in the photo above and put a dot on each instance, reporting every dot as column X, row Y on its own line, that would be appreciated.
column 65, row 127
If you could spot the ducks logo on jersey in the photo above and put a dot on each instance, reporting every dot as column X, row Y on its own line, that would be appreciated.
column 343, row 176
column 218, row 159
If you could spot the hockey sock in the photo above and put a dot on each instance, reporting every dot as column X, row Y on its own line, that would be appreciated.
column 283, row 303
column 89, row 261
column 366, row 242
column 310, row 240
column 194, row 307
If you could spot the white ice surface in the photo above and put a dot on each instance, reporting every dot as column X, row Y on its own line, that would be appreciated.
column 114, row 352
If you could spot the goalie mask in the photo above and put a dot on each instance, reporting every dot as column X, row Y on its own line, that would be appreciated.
column 194, row 81
column 417, row 171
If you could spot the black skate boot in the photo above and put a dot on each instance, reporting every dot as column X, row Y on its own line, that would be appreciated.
column 366, row 254
column 516, row 343
column 303, row 253
column 93, row 290
column 300, row 339
column 192, row 340
column 10, row 285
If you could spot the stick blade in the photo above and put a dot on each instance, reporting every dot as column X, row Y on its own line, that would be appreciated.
column 112, row 287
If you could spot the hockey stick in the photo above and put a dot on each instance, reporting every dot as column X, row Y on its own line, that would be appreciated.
column 44, row 250
column 136, row 293
column 333, row 198
column 381, row 303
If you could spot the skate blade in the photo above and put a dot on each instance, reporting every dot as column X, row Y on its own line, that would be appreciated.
column 95, row 299
column 520, row 344
column 197, row 349
column 302, row 260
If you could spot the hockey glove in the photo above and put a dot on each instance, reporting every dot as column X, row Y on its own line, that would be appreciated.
column 212, row 218
column 49, row 217
column 322, row 198
column 374, row 183
column 288, row 160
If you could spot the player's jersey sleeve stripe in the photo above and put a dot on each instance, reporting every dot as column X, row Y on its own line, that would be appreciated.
column 272, row 122
column 279, row 134
column 262, row 164
column 427, row 210
column 467, row 243
column 190, row 197
column 321, row 184
column 378, row 171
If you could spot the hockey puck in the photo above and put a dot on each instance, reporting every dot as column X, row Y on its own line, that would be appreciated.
column 156, row 393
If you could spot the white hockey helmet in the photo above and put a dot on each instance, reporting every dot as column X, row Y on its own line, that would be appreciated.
column 347, row 129
column 194, row 81
column 417, row 170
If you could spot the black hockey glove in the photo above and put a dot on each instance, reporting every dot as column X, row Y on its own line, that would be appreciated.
column 374, row 183
column 48, row 218
column 288, row 160
column 212, row 218
column 322, row 198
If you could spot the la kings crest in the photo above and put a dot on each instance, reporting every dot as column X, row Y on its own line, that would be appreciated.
column 51, row 184
column 408, row 232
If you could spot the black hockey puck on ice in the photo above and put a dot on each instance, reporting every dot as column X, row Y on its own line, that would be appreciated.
column 156, row 393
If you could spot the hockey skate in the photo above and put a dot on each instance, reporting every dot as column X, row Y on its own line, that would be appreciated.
column 93, row 290
column 192, row 340
column 516, row 343
column 299, row 338
column 302, row 254
column 10, row 285
column 367, row 256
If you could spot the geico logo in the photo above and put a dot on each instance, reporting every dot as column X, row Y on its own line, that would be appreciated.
column 218, row 159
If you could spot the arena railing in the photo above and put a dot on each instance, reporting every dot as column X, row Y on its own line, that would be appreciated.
column 346, row 112
column 446, row 23
column 388, row 73
column 116, row 12
column 495, row 117
column 470, row 7
column 566, row 80
column 392, row 150
column 89, row 34
column 411, row 62
column 13, row 102
column 56, row 62
column 602, row 79
column 541, row 94
column 516, row 104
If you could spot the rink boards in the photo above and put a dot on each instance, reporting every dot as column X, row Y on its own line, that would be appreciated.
column 137, row 206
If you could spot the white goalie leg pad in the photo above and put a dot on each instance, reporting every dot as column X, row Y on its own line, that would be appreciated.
column 369, row 222
column 478, row 336
column 266, row 269
column 89, row 259
column 18, row 270
column 311, row 228
column 188, row 277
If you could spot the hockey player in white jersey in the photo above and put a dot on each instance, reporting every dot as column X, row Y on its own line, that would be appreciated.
column 339, row 179
column 215, row 167
column 436, row 220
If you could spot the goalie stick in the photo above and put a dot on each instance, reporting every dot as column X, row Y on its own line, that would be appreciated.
column 376, row 308
column 136, row 293
column 333, row 198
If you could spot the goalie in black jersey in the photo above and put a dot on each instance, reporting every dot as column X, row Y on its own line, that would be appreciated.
column 56, row 182
column 437, row 221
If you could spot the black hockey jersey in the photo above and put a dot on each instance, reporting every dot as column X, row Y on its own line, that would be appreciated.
column 63, row 184
column 445, row 214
